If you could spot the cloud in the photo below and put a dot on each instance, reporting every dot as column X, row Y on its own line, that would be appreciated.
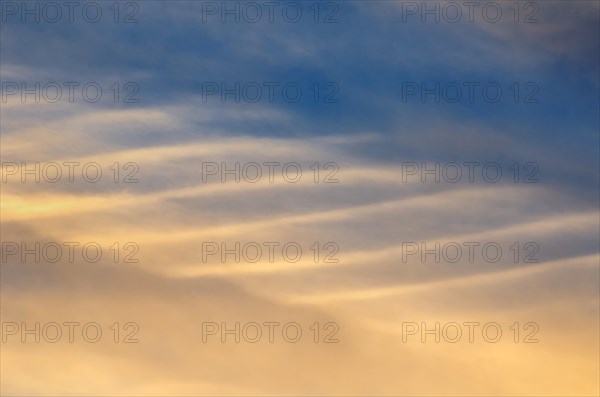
column 370, row 292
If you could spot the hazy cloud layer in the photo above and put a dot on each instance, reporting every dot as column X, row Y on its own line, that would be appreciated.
column 375, row 214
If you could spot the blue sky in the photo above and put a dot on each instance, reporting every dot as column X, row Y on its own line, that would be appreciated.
column 369, row 53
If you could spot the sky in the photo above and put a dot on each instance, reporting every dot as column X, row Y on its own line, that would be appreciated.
column 389, row 198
